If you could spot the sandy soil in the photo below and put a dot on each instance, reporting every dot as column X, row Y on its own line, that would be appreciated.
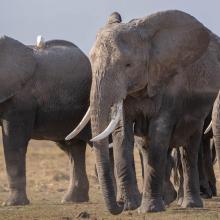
column 47, row 180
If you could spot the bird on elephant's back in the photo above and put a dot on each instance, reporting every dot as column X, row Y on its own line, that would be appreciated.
column 173, row 60
column 44, row 93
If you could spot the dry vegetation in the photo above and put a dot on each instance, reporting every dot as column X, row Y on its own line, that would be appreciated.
column 47, row 180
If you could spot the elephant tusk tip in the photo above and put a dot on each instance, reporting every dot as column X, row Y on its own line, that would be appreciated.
column 93, row 140
column 208, row 128
column 68, row 137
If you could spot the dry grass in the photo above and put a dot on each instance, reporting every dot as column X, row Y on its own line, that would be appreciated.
column 47, row 177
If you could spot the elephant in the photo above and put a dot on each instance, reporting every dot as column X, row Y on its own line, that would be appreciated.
column 44, row 94
column 169, row 63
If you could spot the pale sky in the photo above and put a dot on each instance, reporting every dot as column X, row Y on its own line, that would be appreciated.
column 79, row 20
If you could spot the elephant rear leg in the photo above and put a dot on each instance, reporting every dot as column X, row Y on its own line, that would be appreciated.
column 189, row 158
column 16, row 134
column 78, row 190
column 169, row 192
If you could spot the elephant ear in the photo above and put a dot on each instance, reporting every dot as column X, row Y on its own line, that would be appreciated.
column 176, row 38
column 17, row 65
column 115, row 17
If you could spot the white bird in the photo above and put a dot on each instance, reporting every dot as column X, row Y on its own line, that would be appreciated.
column 40, row 42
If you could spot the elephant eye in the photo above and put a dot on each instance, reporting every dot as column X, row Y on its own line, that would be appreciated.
column 128, row 65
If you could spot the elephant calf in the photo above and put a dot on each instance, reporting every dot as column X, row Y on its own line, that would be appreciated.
column 43, row 95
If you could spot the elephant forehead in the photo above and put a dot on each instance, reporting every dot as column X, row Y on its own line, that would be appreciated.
column 112, row 33
column 104, row 49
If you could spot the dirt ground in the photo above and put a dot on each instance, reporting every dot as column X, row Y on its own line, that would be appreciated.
column 47, row 180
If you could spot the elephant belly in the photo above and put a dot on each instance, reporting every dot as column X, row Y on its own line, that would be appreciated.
column 56, row 125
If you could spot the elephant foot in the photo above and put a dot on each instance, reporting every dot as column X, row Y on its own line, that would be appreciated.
column 16, row 198
column 192, row 202
column 152, row 205
column 205, row 192
column 76, row 196
column 213, row 189
column 170, row 195
column 131, row 201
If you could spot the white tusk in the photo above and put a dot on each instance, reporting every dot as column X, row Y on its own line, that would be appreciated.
column 111, row 127
column 80, row 126
column 208, row 128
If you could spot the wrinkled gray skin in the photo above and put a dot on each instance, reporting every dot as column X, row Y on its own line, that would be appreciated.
column 169, row 192
column 43, row 95
column 216, row 126
column 206, row 158
column 169, row 63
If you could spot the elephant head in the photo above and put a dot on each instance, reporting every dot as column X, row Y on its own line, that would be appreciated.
column 216, row 126
column 17, row 65
column 128, row 58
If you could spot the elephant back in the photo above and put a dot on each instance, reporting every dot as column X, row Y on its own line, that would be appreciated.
column 52, row 43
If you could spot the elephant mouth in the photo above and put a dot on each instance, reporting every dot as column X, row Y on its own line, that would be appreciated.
column 116, row 115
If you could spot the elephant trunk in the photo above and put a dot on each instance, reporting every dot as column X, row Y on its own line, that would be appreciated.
column 100, row 118
column 216, row 126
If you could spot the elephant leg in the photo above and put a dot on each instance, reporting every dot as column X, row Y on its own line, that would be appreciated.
column 205, row 190
column 16, row 134
column 189, row 158
column 169, row 192
column 209, row 166
column 79, row 185
column 123, row 141
column 140, row 143
column 178, row 174
column 155, row 157
column 180, row 193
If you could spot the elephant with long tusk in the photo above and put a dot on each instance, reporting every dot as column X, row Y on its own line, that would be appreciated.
column 168, row 61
